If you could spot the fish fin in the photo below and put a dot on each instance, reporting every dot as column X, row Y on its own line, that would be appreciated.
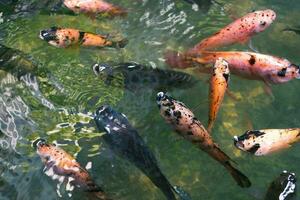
column 238, row 176
column 250, row 45
column 268, row 90
column 120, row 43
column 183, row 195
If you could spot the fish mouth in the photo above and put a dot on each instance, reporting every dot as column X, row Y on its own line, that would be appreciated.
column 48, row 34
column 99, row 68
column 237, row 143
column 38, row 143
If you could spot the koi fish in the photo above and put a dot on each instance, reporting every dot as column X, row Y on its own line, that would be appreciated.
column 125, row 141
column 283, row 187
column 187, row 125
column 65, row 37
column 218, row 86
column 61, row 166
column 293, row 29
column 136, row 76
column 255, row 66
column 239, row 31
column 266, row 141
column 94, row 7
column 16, row 62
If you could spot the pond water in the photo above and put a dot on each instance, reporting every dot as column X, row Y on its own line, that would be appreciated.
column 55, row 106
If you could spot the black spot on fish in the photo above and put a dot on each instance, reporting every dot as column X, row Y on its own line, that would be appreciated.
column 282, row 72
column 254, row 148
column 167, row 113
column 177, row 114
column 226, row 76
column 257, row 133
column 252, row 60
column 81, row 36
column 190, row 133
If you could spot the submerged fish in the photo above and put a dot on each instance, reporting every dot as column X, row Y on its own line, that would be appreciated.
column 94, row 7
column 61, row 166
column 65, row 37
column 256, row 66
column 187, row 125
column 283, row 187
column 16, row 62
column 263, row 142
column 239, row 31
column 293, row 29
column 136, row 76
column 218, row 86
column 125, row 141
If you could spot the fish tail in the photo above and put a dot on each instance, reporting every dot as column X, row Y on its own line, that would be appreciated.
column 117, row 11
column 207, row 57
column 177, row 60
column 119, row 43
column 224, row 159
column 210, row 125
column 238, row 176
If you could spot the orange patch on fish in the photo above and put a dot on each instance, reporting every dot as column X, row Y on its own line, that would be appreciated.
column 218, row 86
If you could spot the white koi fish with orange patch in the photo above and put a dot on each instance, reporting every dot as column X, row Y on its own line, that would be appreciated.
column 61, row 166
column 266, row 141
column 94, row 7
column 218, row 86
column 239, row 31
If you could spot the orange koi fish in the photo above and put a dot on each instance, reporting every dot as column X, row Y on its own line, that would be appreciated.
column 263, row 142
column 65, row 37
column 218, row 86
column 239, row 31
column 267, row 68
column 61, row 166
column 94, row 7
column 187, row 125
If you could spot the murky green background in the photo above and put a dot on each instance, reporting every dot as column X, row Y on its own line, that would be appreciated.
column 151, row 27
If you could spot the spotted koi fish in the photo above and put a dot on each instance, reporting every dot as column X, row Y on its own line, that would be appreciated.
column 283, row 187
column 94, row 7
column 65, row 37
column 255, row 66
column 125, row 141
column 218, row 86
column 266, row 141
column 239, row 31
column 137, row 76
column 61, row 166
column 187, row 125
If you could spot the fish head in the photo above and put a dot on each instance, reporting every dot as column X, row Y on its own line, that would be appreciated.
column 221, row 67
column 248, row 141
column 109, row 120
column 263, row 19
column 50, row 35
column 43, row 149
column 286, row 74
column 169, row 107
column 164, row 101
column 102, row 69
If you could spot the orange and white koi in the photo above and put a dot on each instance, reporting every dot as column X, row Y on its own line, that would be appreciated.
column 239, row 31
column 267, row 68
column 94, row 7
column 187, row 125
column 218, row 86
column 61, row 166
column 65, row 37
column 266, row 141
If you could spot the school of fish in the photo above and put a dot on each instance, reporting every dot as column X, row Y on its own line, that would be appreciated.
column 120, row 135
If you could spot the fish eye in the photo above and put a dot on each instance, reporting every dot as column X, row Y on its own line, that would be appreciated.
column 160, row 96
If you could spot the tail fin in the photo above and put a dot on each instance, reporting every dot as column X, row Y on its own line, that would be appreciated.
column 183, row 195
column 177, row 60
column 119, row 43
column 238, row 176
column 117, row 11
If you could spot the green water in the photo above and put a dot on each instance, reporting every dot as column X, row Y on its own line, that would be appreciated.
column 151, row 27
